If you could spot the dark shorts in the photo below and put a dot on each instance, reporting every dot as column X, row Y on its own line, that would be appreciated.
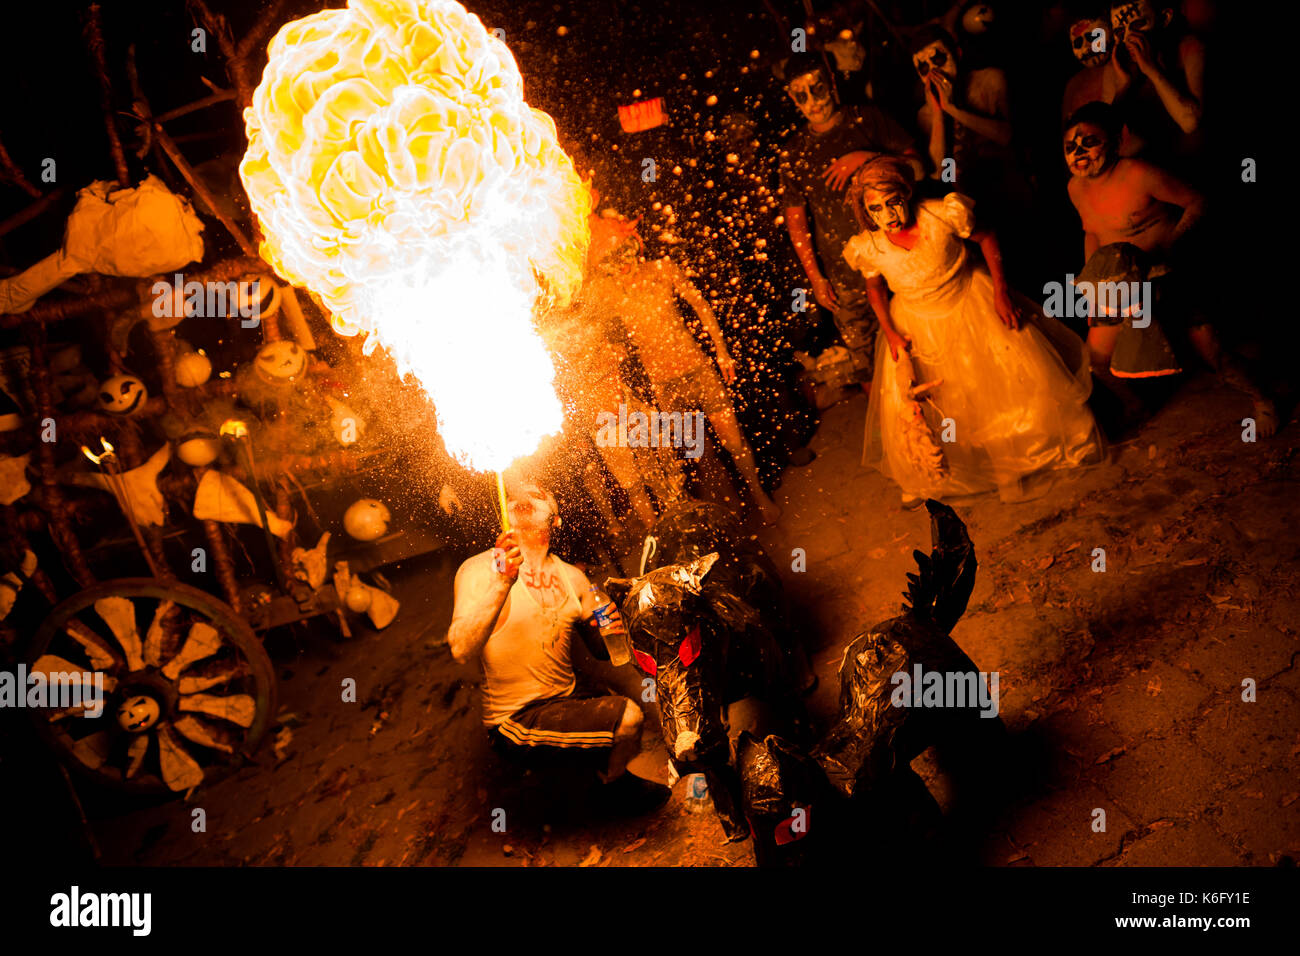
column 561, row 731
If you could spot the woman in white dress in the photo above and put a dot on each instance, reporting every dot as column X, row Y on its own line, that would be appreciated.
column 975, row 388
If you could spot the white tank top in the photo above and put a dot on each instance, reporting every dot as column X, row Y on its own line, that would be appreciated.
column 527, row 656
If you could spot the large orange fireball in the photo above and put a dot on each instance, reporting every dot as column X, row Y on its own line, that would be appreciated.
column 399, row 175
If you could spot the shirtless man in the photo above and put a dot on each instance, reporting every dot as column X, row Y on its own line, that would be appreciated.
column 641, row 294
column 1131, row 201
column 967, row 119
column 976, row 100
column 1090, row 40
column 1156, row 80
column 517, row 608
column 589, row 353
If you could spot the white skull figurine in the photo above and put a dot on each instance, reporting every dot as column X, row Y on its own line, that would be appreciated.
column 138, row 713
column 122, row 395
column 280, row 362
column 366, row 519
column 259, row 297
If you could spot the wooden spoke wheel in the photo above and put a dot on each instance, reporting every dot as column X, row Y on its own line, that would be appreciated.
column 188, row 691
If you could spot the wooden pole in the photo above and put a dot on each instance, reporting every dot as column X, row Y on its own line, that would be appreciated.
column 92, row 31
column 200, row 189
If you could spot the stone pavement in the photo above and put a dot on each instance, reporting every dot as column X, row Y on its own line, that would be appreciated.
column 1123, row 689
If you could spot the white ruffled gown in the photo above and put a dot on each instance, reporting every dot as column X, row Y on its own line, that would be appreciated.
column 1013, row 401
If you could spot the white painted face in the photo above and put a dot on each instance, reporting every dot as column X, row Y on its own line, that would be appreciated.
column 281, row 361
column 138, row 714
column 1126, row 19
column 812, row 94
column 889, row 210
column 935, row 57
column 366, row 519
column 531, row 507
column 1086, row 150
column 122, row 395
column 1090, row 41
column 977, row 19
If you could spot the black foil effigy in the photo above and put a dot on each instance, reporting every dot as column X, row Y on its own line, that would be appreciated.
column 873, row 740
column 708, row 621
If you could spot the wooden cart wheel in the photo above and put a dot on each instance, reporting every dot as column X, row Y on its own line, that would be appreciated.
column 188, row 690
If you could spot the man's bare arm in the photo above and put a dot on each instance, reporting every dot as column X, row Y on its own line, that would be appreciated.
column 1184, row 108
column 1170, row 189
column 479, row 600
column 695, row 299
column 796, row 224
column 930, row 120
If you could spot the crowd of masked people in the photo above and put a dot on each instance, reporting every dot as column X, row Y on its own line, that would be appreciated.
column 999, row 211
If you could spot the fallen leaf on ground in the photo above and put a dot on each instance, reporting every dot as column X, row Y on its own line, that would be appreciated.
column 635, row 844
column 1111, row 754
column 593, row 857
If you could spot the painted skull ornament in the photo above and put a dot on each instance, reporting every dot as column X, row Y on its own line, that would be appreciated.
column 280, row 362
column 259, row 297
column 137, row 714
column 122, row 395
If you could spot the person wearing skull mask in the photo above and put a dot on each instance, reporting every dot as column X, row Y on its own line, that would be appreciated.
column 517, row 609
column 1090, row 40
column 816, row 163
column 966, row 119
column 1133, row 209
column 1013, row 380
column 1157, row 82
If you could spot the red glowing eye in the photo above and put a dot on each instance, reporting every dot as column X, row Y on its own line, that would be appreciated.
column 645, row 662
column 690, row 648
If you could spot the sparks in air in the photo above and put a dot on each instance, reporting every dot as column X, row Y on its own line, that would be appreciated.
column 399, row 175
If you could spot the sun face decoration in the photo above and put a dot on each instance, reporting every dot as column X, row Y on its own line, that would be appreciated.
column 399, row 175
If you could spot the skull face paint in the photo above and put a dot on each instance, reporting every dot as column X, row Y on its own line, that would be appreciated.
column 936, row 57
column 812, row 94
column 977, row 18
column 889, row 210
column 1090, row 40
column 1127, row 19
column 1087, row 151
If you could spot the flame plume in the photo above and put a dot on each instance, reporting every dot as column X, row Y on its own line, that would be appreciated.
column 399, row 175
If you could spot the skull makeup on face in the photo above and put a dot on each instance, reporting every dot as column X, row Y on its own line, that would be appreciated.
column 888, row 209
column 812, row 94
column 1136, row 16
column 122, row 395
column 281, row 361
column 1090, row 40
column 1087, row 150
column 978, row 18
column 937, row 57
